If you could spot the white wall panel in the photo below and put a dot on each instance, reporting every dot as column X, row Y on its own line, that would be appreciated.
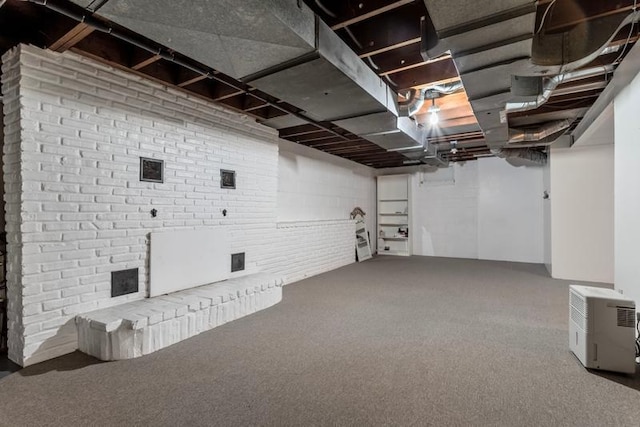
column 510, row 212
column 445, row 204
column 316, row 186
column 582, row 209
column 627, row 191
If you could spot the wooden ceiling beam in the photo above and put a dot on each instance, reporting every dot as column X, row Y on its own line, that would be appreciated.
column 458, row 121
column 370, row 14
column 146, row 62
column 415, row 65
column 266, row 112
column 341, row 144
column 456, row 137
column 319, row 141
column 361, row 151
column 191, row 81
column 298, row 130
column 376, row 155
column 252, row 103
column 318, row 134
column 396, row 28
column 72, row 37
column 425, row 75
column 390, row 47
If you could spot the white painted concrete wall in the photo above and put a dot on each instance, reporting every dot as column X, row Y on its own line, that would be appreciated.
column 313, row 186
column 582, row 213
column 445, row 211
column 627, row 191
column 486, row 209
column 510, row 212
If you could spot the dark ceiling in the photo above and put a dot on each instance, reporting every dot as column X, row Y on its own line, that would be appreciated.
column 385, row 34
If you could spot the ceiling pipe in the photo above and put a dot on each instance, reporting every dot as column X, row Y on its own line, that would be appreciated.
column 580, row 88
column 448, row 88
column 539, row 133
column 412, row 105
column 552, row 83
column 527, row 154
column 417, row 98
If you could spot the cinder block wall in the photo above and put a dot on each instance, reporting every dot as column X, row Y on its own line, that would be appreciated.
column 76, row 210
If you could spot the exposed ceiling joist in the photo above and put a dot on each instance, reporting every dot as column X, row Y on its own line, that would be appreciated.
column 370, row 14
column 71, row 38
column 146, row 62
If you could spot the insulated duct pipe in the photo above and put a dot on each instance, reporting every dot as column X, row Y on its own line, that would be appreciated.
column 527, row 154
column 446, row 89
column 542, row 132
column 552, row 84
column 416, row 100
column 411, row 106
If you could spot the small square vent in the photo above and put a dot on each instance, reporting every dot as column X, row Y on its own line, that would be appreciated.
column 237, row 262
column 124, row 282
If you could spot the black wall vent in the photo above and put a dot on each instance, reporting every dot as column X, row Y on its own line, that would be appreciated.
column 237, row 262
column 124, row 282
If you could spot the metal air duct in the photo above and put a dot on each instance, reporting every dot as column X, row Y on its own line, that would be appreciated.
column 417, row 98
column 553, row 82
column 279, row 47
column 493, row 43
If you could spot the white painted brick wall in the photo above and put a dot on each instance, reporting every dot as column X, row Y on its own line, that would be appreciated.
column 314, row 185
column 307, row 248
column 12, row 197
column 76, row 210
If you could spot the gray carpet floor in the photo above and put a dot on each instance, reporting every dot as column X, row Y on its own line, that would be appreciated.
column 391, row 341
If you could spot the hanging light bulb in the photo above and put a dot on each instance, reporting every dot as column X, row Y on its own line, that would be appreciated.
column 433, row 110
column 454, row 147
column 433, row 118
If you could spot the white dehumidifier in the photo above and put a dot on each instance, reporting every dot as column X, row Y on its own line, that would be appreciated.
column 602, row 328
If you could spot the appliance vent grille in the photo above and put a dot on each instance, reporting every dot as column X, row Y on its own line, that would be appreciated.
column 626, row 317
column 578, row 310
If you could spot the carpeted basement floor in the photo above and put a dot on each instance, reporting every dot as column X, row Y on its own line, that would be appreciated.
column 391, row 341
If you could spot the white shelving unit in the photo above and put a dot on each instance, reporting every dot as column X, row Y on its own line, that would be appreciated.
column 394, row 215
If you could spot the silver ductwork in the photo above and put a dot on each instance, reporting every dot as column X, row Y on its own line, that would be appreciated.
column 494, row 47
column 412, row 105
column 281, row 48
column 417, row 98
column 521, row 156
column 553, row 82
column 539, row 134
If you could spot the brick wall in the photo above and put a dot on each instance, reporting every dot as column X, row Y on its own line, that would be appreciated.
column 313, row 247
column 12, row 199
column 76, row 210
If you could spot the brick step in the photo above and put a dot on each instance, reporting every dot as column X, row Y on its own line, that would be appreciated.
column 141, row 327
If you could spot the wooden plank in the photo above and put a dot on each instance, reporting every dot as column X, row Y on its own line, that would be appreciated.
column 298, row 130
column 412, row 66
column 72, row 37
column 192, row 81
column 390, row 47
column 146, row 62
column 425, row 75
column 371, row 14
